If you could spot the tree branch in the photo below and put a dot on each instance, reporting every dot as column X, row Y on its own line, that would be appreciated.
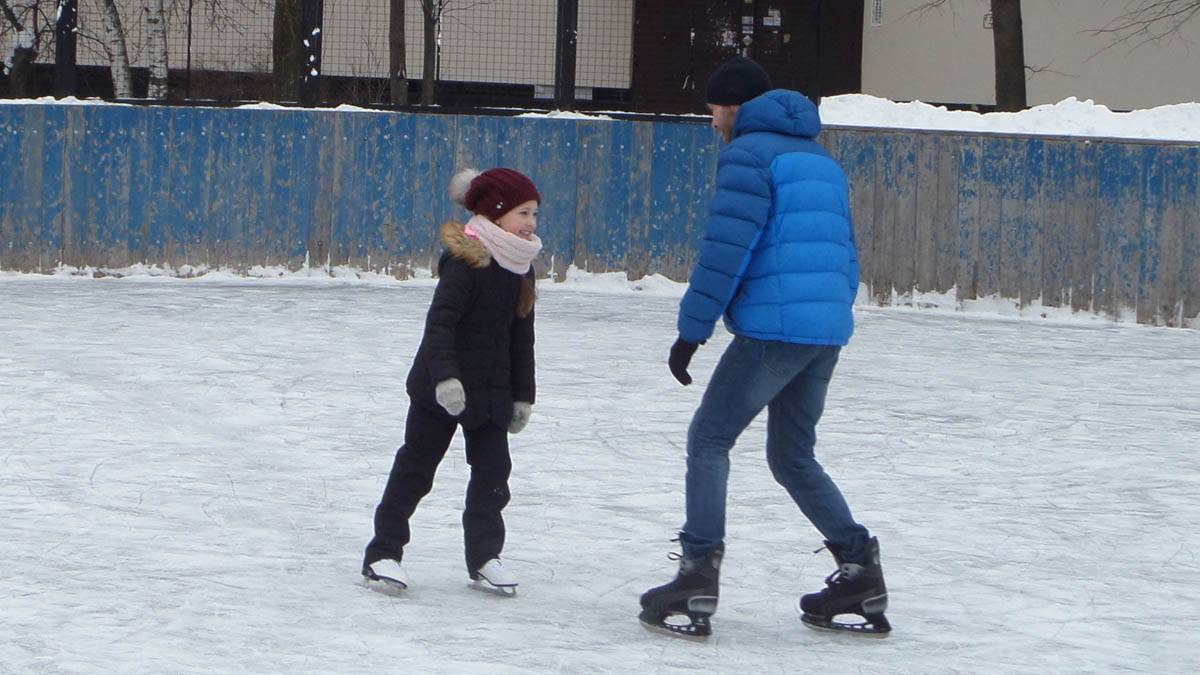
column 11, row 16
column 479, row 3
column 1034, row 70
column 921, row 10
column 1150, row 21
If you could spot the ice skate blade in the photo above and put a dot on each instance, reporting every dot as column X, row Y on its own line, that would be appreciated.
column 696, row 632
column 384, row 586
column 485, row 586
column 877, row 627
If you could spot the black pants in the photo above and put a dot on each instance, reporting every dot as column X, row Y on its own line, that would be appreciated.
column 427, row 435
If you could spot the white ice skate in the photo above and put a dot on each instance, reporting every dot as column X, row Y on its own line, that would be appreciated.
column 494, row 578
column 385, row 576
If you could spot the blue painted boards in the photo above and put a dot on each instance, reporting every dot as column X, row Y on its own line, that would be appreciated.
column 1106, row 226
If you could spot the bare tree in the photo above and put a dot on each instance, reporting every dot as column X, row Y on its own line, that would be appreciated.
column 435, row 12
column 1008, row 46
column 33, row 22
column 118, row 53
column 1148, row 21
column 116, row 44
column 432, row 11
column 397, row 59
column 9, row 15
column 287, row 54
column 1008, row 40
column 157, row 44
column 33, row 26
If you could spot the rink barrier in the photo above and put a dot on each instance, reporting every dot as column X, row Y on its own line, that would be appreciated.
column 1100, row 225
column 1108, row 226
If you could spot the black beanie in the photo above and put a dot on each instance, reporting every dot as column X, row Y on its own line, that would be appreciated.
column 736, row 81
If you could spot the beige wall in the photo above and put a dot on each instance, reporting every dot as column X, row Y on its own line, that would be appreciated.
column 506, row 41
column 503, row 41
column 945, row 56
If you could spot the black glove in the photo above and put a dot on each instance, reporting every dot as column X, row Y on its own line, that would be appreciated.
column 681, row 356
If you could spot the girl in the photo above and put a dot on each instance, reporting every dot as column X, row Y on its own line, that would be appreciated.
column 474, row 368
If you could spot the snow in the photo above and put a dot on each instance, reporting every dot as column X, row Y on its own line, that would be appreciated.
column 50, row 100
column 190, row 458
column 189, row 469
column 1070, row 117
column 25, row 38
column 567, row 115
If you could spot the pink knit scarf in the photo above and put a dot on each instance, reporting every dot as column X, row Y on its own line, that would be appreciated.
column 514, row 253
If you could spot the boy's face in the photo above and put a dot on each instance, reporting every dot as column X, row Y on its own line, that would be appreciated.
column 723, row 117
column 521, row 221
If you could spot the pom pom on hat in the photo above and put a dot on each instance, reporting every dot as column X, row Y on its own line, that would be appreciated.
column 460, row 183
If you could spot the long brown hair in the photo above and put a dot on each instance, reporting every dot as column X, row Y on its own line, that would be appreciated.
column 527, row 297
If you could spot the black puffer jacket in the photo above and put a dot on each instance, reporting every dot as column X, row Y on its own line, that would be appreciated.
column 473, row 333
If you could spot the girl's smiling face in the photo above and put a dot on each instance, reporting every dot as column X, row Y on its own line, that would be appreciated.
column 521, row 221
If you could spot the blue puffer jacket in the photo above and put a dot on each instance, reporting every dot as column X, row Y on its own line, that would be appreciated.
column 778, row 258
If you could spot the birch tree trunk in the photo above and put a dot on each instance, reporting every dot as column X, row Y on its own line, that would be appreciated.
column 117, row 54
column 432, row 11
column 156, row 43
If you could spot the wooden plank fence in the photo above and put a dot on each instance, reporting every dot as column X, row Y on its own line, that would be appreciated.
column 1097, row 225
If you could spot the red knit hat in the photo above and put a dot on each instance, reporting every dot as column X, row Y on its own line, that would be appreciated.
column 494, row 192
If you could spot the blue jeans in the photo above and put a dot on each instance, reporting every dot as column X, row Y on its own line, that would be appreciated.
column 790, row 380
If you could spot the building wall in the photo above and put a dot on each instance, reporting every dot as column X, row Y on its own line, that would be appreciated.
column 945, row 56
column 503, row 41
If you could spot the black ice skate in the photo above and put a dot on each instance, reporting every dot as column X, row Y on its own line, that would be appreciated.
column 852, row 589
column 691, row 596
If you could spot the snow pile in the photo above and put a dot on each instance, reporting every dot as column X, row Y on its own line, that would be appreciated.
column 1069, row 117
column 567, row 115
column 575, row 280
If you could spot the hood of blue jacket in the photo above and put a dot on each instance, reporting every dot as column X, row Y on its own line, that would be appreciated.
column 780, row 111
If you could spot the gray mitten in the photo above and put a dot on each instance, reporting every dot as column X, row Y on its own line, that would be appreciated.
column 521, row 413
column 450, row 395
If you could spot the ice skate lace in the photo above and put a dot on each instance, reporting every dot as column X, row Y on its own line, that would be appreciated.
column 674, row 556
column 839, row 575
column 836, row 578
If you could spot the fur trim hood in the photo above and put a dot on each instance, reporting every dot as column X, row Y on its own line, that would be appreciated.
column 466, row 249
